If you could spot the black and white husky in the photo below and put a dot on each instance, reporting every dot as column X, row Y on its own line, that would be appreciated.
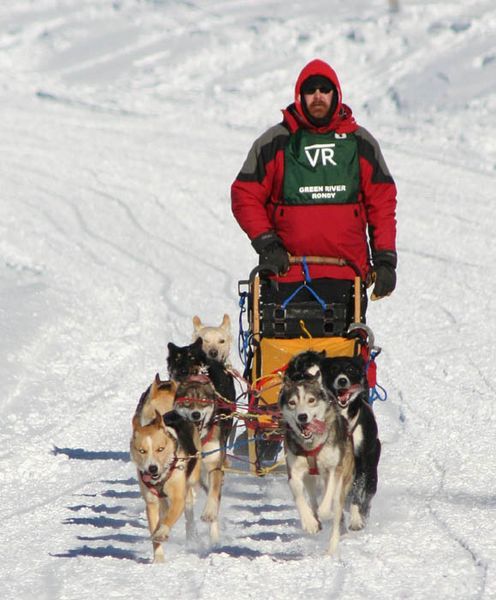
column 345, row 379
column 318, row 449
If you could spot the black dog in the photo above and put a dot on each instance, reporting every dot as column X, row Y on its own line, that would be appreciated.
column 306, row 366
column 345, row 379
column 185, row 361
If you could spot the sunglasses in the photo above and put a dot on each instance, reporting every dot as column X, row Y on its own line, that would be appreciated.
column 323, row 89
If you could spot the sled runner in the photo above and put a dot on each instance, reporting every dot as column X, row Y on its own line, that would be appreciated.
column 276, row 325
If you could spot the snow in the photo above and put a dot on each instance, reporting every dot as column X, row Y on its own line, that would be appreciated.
column 123, row 125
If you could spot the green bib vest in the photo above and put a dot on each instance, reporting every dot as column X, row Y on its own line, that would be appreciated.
column 321, row 169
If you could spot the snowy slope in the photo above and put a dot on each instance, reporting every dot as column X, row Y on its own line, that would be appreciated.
column 123, row 125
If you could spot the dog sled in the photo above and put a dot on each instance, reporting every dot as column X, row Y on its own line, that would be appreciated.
column 273, row 329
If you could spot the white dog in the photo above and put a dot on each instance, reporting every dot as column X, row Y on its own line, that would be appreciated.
column 216, row 341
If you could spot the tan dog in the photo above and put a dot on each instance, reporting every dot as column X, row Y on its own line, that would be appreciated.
column 159, row 397
column 167, row 453
column 197, row 401
column 216, row 341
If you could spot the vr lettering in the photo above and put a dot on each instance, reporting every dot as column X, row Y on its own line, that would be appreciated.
column 323, row 151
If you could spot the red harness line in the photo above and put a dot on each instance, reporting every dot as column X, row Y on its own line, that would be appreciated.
column 185, row 399
column 209, row 435
column 237, row 375
column 311, row 455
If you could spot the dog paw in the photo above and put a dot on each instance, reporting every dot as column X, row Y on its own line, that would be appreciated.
column 191, row 532
column 214, row 533
column 332, row 550
column 209, row 516
column 210, row 512
column 357, row 522
column 161, row 534
column 311, row 524
column 158, row 558
column 324, row 513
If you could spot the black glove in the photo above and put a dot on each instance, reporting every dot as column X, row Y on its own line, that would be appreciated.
column 384, row 273
column 271, row 251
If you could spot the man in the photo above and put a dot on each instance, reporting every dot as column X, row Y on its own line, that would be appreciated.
column 317, row 185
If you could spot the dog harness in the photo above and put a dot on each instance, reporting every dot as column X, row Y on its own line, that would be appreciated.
column 311, row 455
column 210, row 432
column 204, row 401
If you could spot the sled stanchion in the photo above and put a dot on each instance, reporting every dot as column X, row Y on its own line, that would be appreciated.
column 358, row 300
column 256, row 307
column 252, row 450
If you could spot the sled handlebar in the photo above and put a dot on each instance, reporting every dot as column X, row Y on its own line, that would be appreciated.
column 324, row 260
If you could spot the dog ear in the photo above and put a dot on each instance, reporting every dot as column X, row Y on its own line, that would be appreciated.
column 171, row 347
column 197, row 324
column 226, row 322
column 171, row 431
column 155, row 385
column 136, row 423
column 197, row 344
column 159, row 420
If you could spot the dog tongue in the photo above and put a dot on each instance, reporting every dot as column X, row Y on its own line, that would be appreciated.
column 146, row 477
column 199, row 378
column 316, row 426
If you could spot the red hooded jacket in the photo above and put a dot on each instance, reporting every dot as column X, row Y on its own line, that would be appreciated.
column 348, row 230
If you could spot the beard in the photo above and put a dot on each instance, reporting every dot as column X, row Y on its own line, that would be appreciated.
column 319, row 110
column 323, row 113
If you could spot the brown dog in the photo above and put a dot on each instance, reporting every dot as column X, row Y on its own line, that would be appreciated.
column 167, row 453
column 159, row 397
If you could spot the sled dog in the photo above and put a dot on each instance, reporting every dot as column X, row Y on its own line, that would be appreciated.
column 184, row 361
column 345, row 378
column 197, row 401
column 216, row 341
column 159, row 397
column 166, row 453
column 306, row 366
column 318, row 449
